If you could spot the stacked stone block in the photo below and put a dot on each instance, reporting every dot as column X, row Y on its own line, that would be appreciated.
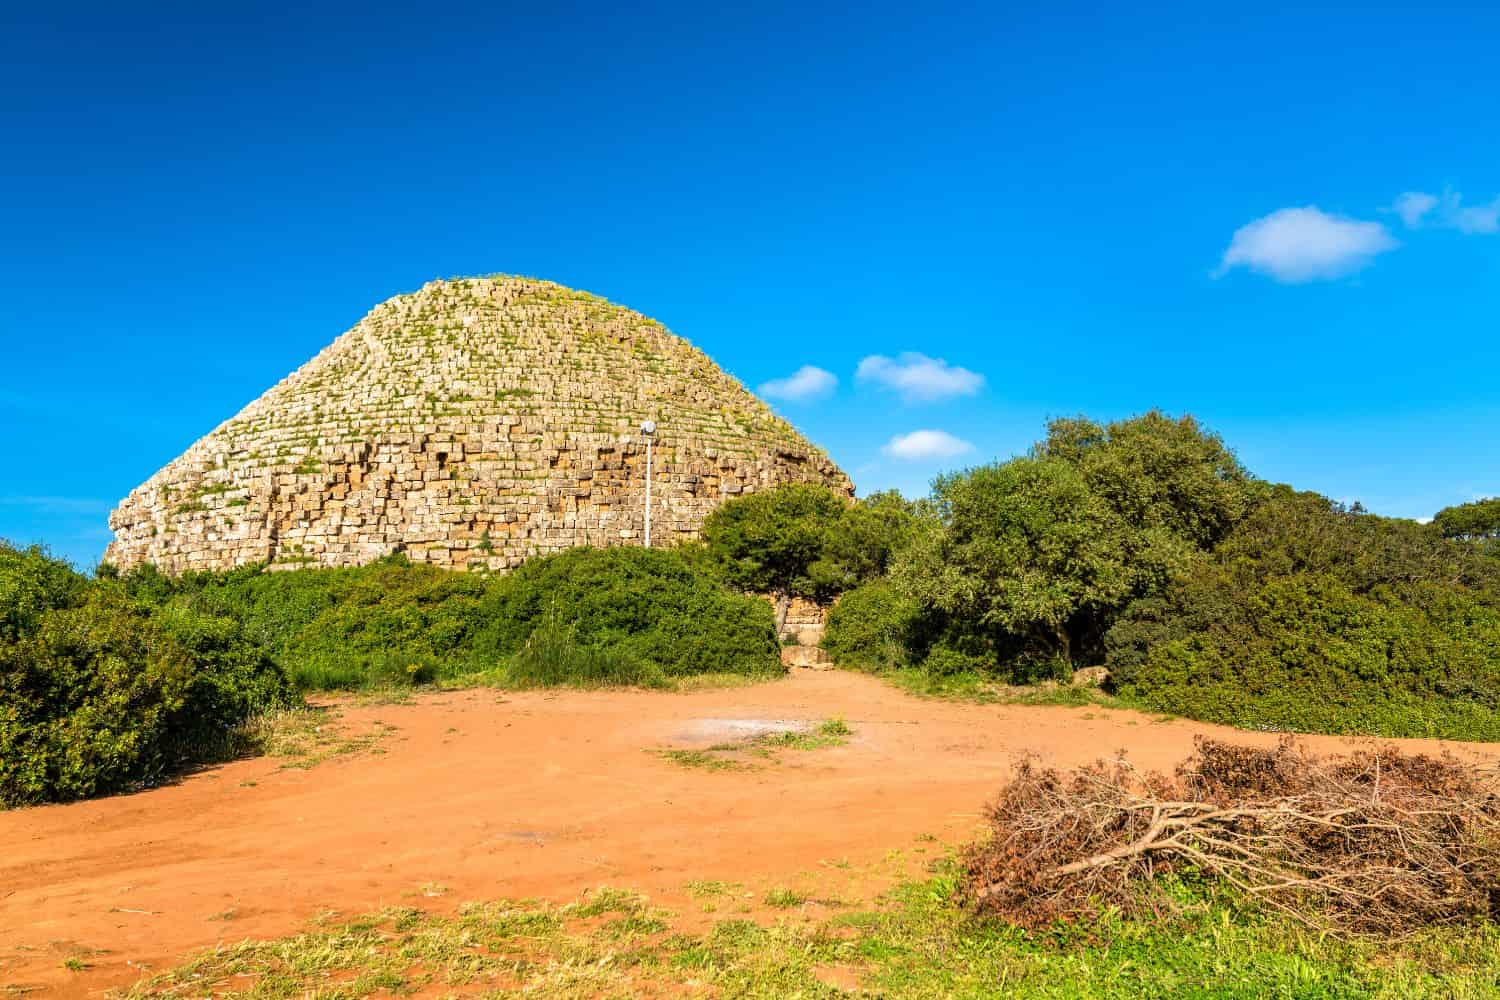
column 472, row 424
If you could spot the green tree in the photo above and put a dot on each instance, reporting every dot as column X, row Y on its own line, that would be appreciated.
column 859, row 545
column 1032, row 559
column 1157, row 472
column 767, row 542
column 1023, row 551
column 1477, row 521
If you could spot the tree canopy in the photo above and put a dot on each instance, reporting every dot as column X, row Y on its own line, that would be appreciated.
column 1033, row 557
column 1479, row 520
column 767, row 542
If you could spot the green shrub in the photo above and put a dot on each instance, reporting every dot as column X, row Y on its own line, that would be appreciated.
column 870, row 628
column 653, row 613
column 1305, row 653
column 552, row 656
column 32, row 583
column 950, row 661
column 662, row 608
column 113, row 694
column 386, row 624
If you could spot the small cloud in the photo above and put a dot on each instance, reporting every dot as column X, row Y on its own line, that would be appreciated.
column 1412, row 206
column 1447, row 211
column 920, row 445
column 806, row 382
column 918, row 378
column 1295, row 245
column 1476, row 218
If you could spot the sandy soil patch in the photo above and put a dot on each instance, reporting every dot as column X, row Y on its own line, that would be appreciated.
column 481, row 795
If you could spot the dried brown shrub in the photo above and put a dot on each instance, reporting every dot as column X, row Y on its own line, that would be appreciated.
column 1375, row 842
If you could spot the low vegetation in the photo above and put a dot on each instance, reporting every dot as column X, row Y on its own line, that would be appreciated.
column 584, row 616
column 103, row 692
column 120, row 681
column 917, row 942
column 737, row 755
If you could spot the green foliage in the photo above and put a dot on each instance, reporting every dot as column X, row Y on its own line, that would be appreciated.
column 1314, row 617
column 585, row 616
column 386, row 624
column 552, row 656
column 1025, row 550
column 871, row 627
column 1157, row 473
column 32, row 583
column 1026, row 563
column 1477, row 521
column 665, row 608
column 917, row 943
column 768, row 542
column 859, row 546
column 113, row 694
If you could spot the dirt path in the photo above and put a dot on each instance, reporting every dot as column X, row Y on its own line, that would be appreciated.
column 503, row 795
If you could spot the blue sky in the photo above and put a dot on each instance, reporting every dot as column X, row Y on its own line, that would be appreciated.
column 1060, row 211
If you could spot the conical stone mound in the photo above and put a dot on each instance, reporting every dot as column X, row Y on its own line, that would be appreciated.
column 474, row 423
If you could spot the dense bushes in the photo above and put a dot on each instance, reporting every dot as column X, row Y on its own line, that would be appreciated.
column 870, row 627
column 664, row 609
column 584, row 616
column 32, row 583
column 112, row 683
column 102, row 692
column 1314, row 618
column 386, row 623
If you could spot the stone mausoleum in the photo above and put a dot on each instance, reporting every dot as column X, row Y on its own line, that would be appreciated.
column 472, row 424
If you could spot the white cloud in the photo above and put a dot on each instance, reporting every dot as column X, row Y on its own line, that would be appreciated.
column 1294, row 245
column 806, row 382
column 920, row 445
column 1476, row 218
column 1412, row 206
column 918, row 378
column 1447, row 211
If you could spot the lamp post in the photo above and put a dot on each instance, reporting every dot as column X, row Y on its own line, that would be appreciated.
column 648, row 431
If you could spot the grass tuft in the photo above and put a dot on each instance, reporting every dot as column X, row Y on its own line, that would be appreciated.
column 915, row 943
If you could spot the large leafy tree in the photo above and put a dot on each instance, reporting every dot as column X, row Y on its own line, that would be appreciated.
column 1024, row 550
column 767, row 542
column 859, row 545
column 1477, row 521
column 1034, row 557
column 1157, row 472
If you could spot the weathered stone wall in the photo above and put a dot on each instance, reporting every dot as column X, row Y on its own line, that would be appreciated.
column 472, row 424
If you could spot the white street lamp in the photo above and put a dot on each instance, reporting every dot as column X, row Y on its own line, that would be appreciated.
column 648, row 431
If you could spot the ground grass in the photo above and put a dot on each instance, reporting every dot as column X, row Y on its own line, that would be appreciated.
column 740, row 755
column 503, row 680
column 916, row 942
column 973, row 687
column 306, row 737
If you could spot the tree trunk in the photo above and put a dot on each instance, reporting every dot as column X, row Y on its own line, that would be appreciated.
column 783, row 606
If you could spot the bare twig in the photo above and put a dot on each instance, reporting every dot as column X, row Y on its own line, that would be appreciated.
column 1373, row 842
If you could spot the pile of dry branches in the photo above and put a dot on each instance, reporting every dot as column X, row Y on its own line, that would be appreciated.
column 1374, row 842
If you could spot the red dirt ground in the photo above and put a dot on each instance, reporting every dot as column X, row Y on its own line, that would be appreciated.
column 501, row 795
